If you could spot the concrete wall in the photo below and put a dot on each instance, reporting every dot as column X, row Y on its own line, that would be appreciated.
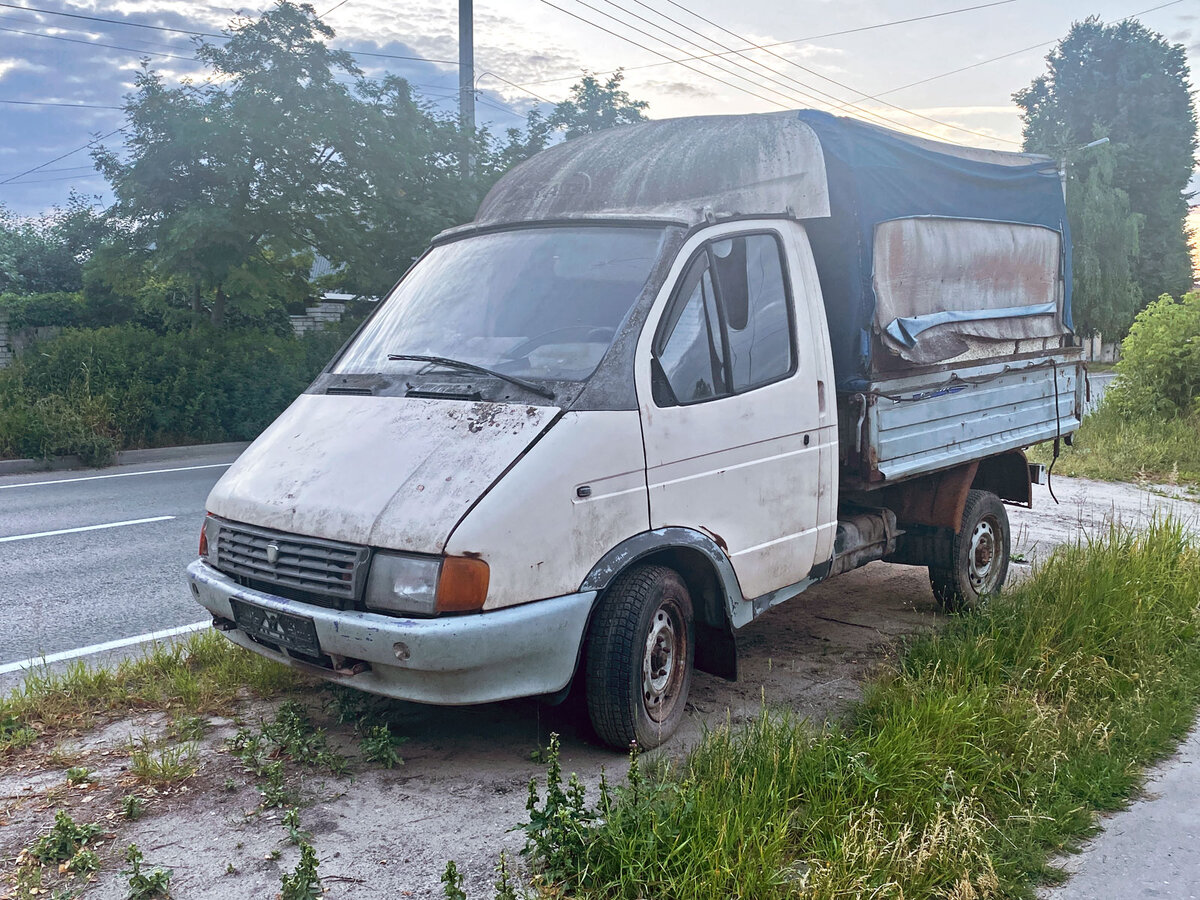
column 6, row 350
column 1096, row 350
column 13, row 342
column 317, row 318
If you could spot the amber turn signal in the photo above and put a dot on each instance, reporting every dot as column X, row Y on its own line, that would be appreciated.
column 204, row 539
column 463, row 584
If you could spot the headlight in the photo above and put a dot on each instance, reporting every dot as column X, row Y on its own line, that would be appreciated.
column 426, row 585
column 403, row 584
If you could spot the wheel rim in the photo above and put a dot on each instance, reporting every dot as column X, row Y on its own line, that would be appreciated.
column 983, row 560
column 664, row 660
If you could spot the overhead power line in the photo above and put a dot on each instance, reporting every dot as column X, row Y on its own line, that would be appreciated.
column 788, row 96
column 984, row 62
column 788, row 43
column 660, row 53
column 59, row 37
column 842, row 85
column 49, row 162
column 77, row 177
column 55, row 103
column 210, row 34
column 61, row 169
column 754, row 78
column 71, row 15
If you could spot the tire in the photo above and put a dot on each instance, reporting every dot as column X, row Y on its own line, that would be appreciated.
column 638, row 659
column 978, row 559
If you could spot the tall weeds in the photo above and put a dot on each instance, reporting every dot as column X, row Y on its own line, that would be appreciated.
column 987, row 749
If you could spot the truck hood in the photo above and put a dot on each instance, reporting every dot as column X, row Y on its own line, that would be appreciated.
column 388, row 472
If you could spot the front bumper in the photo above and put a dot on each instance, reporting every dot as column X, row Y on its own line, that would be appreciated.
column 519, row 651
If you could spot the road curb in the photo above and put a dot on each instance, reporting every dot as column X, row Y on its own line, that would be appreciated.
column 122, row 458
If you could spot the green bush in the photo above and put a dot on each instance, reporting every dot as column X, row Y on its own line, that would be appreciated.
column 37, row 310
column 1159, row 371
column 95, row 391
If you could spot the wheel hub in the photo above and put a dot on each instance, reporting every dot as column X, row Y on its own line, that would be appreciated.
column 661, row 664
column 981, row 562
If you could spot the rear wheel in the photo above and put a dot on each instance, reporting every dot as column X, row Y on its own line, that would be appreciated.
column 978, row 558
column 638, row 659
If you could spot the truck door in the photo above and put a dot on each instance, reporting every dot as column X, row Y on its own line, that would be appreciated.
column 733, row 415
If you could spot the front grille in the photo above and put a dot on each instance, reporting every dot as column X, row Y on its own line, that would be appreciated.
column 310, row 566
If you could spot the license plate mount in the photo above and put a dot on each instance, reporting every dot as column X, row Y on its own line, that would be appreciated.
column 285, row 629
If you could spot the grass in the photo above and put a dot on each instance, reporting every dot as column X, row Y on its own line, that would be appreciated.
column 202, row 675
column 985, row 751
column 1110, row 448
column 162, row 765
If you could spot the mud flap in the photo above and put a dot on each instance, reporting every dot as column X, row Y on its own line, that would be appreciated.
column 716, row 651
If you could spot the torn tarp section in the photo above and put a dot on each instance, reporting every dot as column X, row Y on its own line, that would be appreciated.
column 944, row 285
column 876, row 176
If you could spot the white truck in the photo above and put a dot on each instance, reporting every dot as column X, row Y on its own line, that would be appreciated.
column 671, row 376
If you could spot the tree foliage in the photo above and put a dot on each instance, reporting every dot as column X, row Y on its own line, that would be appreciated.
column 1128, row 84
column 46, row 254
column 595, row 105
column 1105, row 236
column 225, row 182
column 227, row 188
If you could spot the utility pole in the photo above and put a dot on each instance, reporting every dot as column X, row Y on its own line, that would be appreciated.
column 466, row 81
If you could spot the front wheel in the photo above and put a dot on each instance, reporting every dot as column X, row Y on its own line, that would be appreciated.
column 978, row 559
column 638, row 658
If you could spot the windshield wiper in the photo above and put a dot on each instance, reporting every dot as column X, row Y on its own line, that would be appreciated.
column 471, row 367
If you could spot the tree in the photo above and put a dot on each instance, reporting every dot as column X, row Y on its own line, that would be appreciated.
column 46, row 254
column 224, row 183
column 1126, row 83
column 594, row 106
column 224, row 187
column 1105, row 235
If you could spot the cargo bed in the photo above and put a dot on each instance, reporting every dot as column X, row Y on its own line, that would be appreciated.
column 915, row 424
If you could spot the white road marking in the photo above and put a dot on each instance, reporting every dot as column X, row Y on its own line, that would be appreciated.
column 38, row 534
column 100, row 648
column 5, row 487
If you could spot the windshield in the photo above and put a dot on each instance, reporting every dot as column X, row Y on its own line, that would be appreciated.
column 538, row 303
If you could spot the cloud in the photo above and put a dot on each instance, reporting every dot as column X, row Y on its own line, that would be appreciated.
column 682, row 89
column 11, row 64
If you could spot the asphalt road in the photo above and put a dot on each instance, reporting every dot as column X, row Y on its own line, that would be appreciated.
column 80, row 588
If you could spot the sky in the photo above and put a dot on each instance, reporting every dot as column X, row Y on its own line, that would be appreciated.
column 529, row 52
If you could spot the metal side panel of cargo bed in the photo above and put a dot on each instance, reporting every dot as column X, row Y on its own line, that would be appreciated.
column 923, row 423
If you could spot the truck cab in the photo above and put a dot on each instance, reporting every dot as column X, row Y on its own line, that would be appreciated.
column 591, row 434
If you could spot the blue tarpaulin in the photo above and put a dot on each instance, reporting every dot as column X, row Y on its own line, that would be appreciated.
column 874, row 176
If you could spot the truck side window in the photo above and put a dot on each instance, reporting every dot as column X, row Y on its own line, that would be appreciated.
column 692, row 353
column 728, row 328
column 751, row 288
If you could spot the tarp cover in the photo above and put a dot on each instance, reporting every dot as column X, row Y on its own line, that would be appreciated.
column 671, row 169
column 941, row 282
column 875, row 176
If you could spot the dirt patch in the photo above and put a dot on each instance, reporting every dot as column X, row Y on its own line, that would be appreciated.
column 463, row 783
